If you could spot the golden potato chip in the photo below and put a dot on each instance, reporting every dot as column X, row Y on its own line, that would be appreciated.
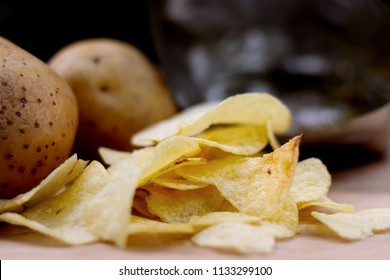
column 235, row 237
column 212, row 218
column 211, row 153
column 164, row 157
column 140, row 207
column 57, row 179
column 326, row 202
column 111, row 156
column 273, row 141
column 178, row 184
column 168, row 171
column 287, row 217
column 357, row 225
column 61, row 216
column 169, row 127
column 108, row 213
column 167, row 155
column 139, row 225
column 315, row 228
column 176, row 206
column 151, row 233
column 258, row 186
column 311, row 181
column 248, row 108
column 236, row 139
column 323, row 205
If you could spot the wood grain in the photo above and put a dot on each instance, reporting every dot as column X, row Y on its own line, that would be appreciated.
column 366, row 186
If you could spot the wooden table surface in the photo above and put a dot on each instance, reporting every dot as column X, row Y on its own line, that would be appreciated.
column 366, row 186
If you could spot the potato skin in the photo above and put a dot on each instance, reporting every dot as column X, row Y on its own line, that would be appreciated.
column 38, row 120
column 119, row 92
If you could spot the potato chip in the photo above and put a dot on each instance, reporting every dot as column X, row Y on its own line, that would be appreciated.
column 176, row 206
column 57, row 179
column 324, row 205
column 145, row 232
column 61, row 216
column 167, row 155
column 140, row 225
column 358, row 225
column 258, row 186
column 168, row 171
column 169, row 127
column 178, row 184
column 212, row 218
column 311, row 181
column 235, row 237
column 326, row 202
column 287, row 217
column 140, row 207
column 236, row 139
column 108, row 213
column 315, row 228
column 249, row 109
column 273, row 141
column 111, row 156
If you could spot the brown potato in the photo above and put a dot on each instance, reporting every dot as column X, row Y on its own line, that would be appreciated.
column 119, row 91
column 38, row 120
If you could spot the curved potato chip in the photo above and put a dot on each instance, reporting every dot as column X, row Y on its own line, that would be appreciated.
column 358, row 225
column 317, row 229
column 175, row 206
column 140, row 207
column 247, row 108
column 167, row 155
column 178, row 184
column 237, row 139
column 258, row 186
column 61, row 216
column 273, row 141
column 169, row 127
column 235, row 237
column 57, row 179
column 146, row 226
column 311, row 181
column 108, row 213
column 326, row 202
column 111, row 156
column 212, row 218
column 164, row 157
column 168, row 170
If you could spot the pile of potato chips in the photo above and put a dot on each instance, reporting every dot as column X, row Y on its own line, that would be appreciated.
column 214, row 173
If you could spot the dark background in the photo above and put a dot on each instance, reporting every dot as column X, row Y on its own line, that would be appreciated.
column 42, row 27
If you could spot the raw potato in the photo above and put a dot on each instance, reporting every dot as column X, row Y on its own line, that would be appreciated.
column 38, row 120
column 119, row 92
